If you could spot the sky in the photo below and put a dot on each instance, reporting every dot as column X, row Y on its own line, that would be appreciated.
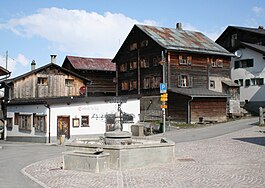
column 35, row 29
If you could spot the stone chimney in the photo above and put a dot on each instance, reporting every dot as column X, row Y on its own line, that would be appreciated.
column 179, row 26
column 261, row 27
column 33, row 65
column 53, row 59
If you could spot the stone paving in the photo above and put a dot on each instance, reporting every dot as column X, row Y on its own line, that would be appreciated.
column 232, row 160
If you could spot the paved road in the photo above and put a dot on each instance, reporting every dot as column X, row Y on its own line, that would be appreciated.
column 186, row 135
column 15, row 156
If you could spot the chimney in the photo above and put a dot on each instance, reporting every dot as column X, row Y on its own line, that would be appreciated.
column 179, row 26
column 261, row 27
column 53, row 59
column 33, row 65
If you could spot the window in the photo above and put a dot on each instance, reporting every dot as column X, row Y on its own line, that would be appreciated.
column 144, row 63
column 25, row 122
column 260, row 81
column 236, row 81
column 123, row 67
column 133, row 46
column 257, row 81
column 133, row 65
column 233, row 39
column 247, row 82
column 212, row 84
column 245, row 63
column 185, row 60
column 84, row 121
column 216, row 62
column 39, row 122
column 184, row 81
column 240, row 82
column 125, row 85
column 76, row 122
column 144, row 43
column 133, row 85
column 156, row 61
column 9, row 123
column 42, row 81
column 146, row 83
column 69, row 82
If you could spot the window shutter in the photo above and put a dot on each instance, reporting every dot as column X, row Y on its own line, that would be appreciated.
column 179, row 80
column 250, row 63
column 180, row 59
column 189, row 58
column 190, row 81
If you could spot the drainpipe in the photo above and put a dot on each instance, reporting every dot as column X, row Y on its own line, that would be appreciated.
column 189, row 113
column 48, row 106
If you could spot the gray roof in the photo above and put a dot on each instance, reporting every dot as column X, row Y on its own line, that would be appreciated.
column 230, row 83
column 198, row 92
column 255, row 47
column 183, row 40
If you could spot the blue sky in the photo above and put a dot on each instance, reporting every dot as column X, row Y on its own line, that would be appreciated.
column 35, row 29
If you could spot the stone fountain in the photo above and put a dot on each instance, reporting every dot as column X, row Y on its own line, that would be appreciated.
column 117, row 150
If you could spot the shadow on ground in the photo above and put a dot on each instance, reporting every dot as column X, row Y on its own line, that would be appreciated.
column 254, row 140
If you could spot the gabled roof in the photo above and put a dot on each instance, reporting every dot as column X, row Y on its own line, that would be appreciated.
column 255, row 47
column 229, row 29
column 182, row 40
column 47, row 66
column 84, row 63
column 198, row 92
column 3, row 71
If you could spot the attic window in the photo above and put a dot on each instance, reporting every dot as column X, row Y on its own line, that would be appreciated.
column 42, row 81
column 133, row 46
column 144, row 43
column 69, row 82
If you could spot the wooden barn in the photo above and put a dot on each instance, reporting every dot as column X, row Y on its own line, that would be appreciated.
column 100, row 71
column 195, row 70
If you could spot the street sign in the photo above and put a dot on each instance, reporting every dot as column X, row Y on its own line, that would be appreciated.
column 164, row 106
column 163, row 97
column 163, row 87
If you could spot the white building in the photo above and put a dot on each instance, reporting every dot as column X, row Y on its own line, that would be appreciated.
column 248, row 70
column 70, row 118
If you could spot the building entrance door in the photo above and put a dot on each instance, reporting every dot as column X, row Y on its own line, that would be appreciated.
column 63, row 127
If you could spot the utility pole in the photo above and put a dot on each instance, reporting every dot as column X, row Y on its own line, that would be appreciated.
column 6, row 60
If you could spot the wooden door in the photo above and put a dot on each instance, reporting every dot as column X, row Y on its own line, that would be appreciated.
column 63, row 126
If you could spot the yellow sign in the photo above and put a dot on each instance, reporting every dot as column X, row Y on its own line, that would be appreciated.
column 164, row 106
column 163, row 97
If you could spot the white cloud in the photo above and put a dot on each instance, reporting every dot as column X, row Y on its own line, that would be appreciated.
column 11, row 63
column 22, row 60
column 259, row 11
column 76, row 31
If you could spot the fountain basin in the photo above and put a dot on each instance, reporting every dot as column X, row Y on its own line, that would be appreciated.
column 140, row 153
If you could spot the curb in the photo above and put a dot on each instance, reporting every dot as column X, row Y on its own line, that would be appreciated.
column 23, row 171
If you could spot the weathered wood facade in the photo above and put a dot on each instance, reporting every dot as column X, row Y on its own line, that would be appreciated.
column 100, row 71
column 45, row 82
column 191, row 60
column 232, row 36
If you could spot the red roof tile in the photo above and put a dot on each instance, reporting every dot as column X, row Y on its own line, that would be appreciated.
column 84, row 63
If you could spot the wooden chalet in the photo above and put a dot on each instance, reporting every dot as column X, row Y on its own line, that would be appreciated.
column 100, row 71
column 195, row 67
column 232, row 36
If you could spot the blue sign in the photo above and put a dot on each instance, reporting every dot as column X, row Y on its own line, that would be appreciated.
column 163, row 88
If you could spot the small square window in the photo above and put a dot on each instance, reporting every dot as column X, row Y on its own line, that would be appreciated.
column 69, row 82
column 42, row 81
column 84, row 121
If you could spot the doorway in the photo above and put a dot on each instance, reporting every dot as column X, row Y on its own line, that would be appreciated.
column 63, row 126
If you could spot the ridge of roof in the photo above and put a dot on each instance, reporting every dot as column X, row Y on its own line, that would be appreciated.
column 85, row 63
column 183, row 40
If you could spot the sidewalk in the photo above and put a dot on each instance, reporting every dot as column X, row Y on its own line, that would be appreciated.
column 232, row 160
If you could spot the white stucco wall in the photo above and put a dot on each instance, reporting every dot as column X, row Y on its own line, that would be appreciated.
column 250, row 93
column 95, row 110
